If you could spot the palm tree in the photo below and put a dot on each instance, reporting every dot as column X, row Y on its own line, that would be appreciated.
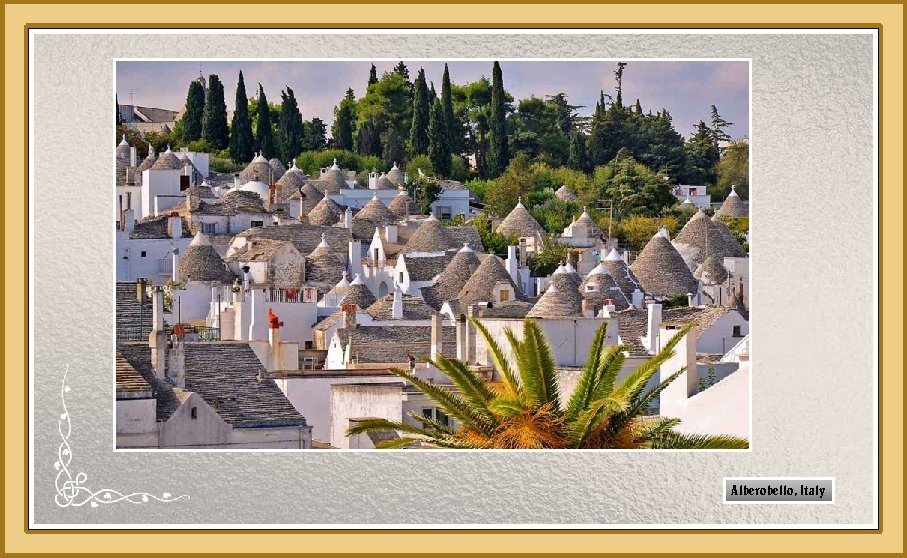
column 523, row 410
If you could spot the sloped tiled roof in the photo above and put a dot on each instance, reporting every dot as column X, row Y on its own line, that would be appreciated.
column 304, row 236
column 393, row 344
column 414, row 308
column 466, row 234
column 426, row 267
column 128, row 379
column 232, row 203
column 156, row 227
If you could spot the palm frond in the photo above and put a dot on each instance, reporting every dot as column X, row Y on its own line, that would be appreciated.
column 644, row 431
column 436, row 427
column 474, row 388
column 593, row 419
column 506, row 406
column 582, row 394
column 384, row 425
column 542, row 360
column 636, row 381
column 396, row 443
column 452, row 403
column 511, row 381
column 642, row 403
column 609, row 369
column 676, row 440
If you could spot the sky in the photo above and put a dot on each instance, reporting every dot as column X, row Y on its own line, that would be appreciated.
column 686, row 88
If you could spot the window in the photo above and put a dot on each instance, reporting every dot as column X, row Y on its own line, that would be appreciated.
column 427, row 413
column 441, row 417
column 209, row 228
column 194, row 412
column 375, row 257
column 308, row 344
column 505, row 295
column 258, row 223
column 401, row 277
column 736, row 332
column 144, row 253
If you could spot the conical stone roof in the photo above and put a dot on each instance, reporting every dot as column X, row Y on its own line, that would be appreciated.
column 376, row 212
column 326, row 213
column 431, row 236
column 402, row 206
column 567, row 284
column 450, row 282
column 480, row 287
column 359, row 294
column 700, row 232
column 661, row 269
column 201, row 262
column 555, row 303
column 599, row 286
column 395, row 175
column 123, row 150
column 293, row 179
column 147, row 162
column 520, row 223
column 711, row 271
column 277, row 169
column 167, row 161
column 323, row 267
column 622, row 274
column 733, row 206
column 565, row 194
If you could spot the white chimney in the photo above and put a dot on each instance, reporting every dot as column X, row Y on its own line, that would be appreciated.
column 348, row 218
column 274, row 324
column 157, row 341
column 608, row 309
column 390, row 233
column 246, row 279
column 129, row 220
column 588, row 308
column 461, row 338
column 637, row 297
column 176, row 361
column 132, row 157
column 653, row 326
column 673, row 400
column 175, row 273
column 523, row 254
column 175, row 226
column 512, row 264
column 471, row 337
column 236, row 183
column 397, row 306
column 355, row 257
column 436, row 343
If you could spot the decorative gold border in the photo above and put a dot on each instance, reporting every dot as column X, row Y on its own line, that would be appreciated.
column 18, row 18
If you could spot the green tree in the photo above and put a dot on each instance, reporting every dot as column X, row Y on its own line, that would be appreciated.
column 372, row 75
column 498, row 156
column 524, row 411
column 290, row 130
column 402, row 70
column 545, row 261
column 439, row 141
column 702, row 155
column 718, row 126
column 242, row 144
column 424, row 191
column 662, row 148
column 418, row 132
column 342, row 129
column 733, row 168
column 454, row 129
column 493, row 241
column 577, row 158
column 632, row 187
column 370, row 139
column 509, row 186
column 315, row 137
column 264, row 138
column 195, row 107
column 393, row 147
column 214, row 116
column 117, row 109
column 387, row 103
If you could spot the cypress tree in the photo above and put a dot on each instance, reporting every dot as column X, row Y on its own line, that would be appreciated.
column 373, row 75
column 498, row 156
column 119, row 116
column 290, row 131
column 315, row 137
column 402, row 70
column 264, row 135
column 214, row 117
column 439, row 141
column 195, row 106
column 577, row 157
column 638, row 107
column 418, row 132
column 242, row 144
column 394, row 146
column 447, row 104
column 432, row 93
column 343, row 126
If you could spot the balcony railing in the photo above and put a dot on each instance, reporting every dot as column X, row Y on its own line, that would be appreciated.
column 190, row 332
column 304, row 294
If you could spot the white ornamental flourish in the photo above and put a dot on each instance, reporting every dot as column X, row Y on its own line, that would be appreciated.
column 70, row 491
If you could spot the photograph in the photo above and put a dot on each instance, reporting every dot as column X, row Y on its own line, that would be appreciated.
column 445, row 254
